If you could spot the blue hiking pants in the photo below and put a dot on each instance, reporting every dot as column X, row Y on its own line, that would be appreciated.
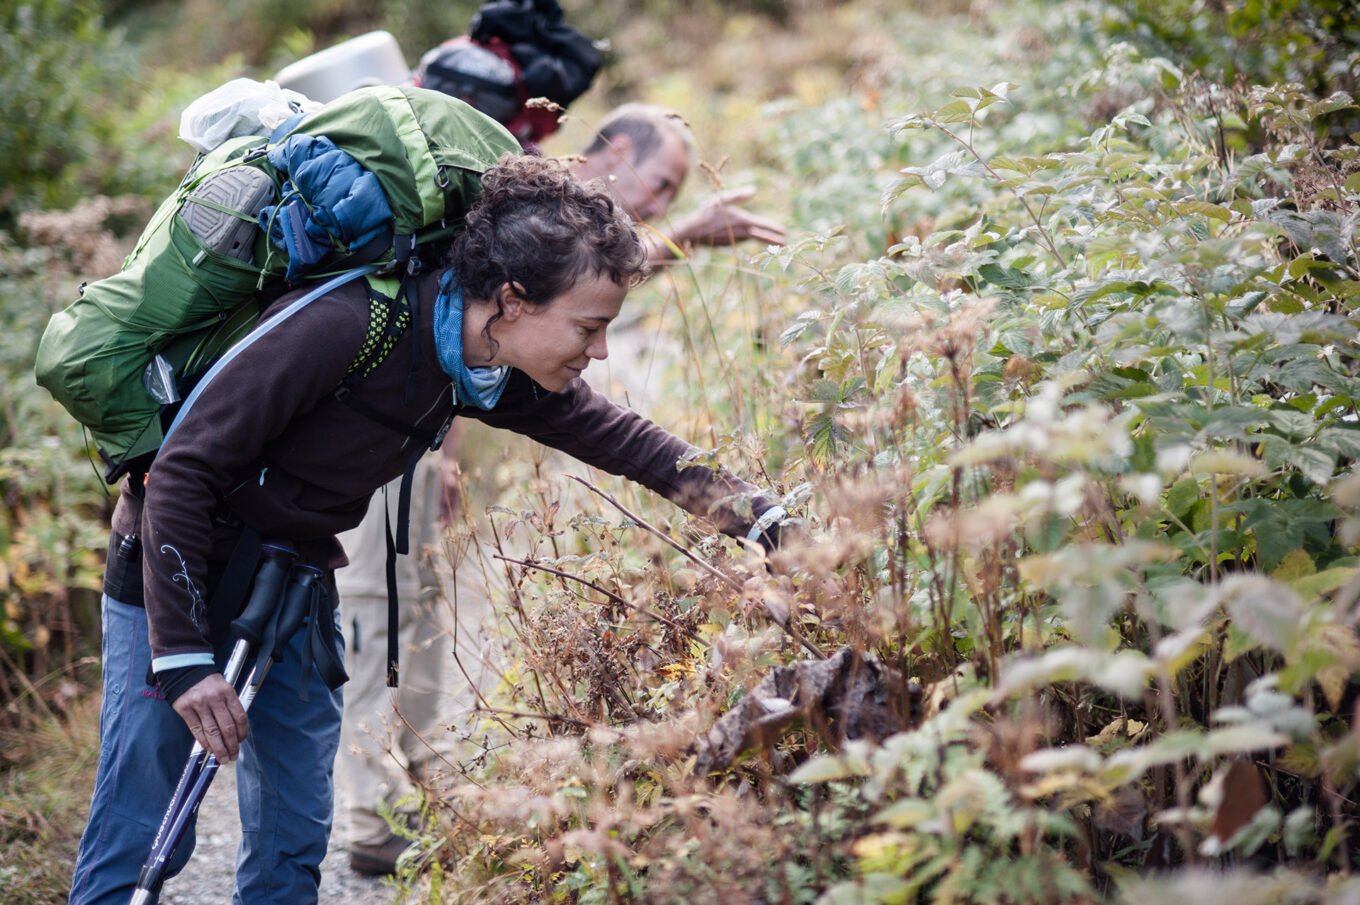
column 283, row 776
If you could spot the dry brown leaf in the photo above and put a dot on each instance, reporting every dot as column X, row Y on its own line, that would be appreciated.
column 1340, row 642
column 1244, row 794
column 849, row 695
column 1125, row 813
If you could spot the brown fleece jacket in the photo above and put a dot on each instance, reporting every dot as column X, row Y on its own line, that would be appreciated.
column 269, row 445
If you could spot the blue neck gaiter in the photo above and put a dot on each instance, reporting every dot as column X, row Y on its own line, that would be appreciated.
column 481, row 387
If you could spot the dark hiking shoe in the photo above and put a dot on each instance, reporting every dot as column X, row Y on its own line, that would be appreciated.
column 377, row 860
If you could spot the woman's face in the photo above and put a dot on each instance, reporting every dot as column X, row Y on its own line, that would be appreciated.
column 554, row 343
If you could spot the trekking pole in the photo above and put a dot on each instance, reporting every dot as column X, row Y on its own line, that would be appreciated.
column 296, row 604
column 249, row 628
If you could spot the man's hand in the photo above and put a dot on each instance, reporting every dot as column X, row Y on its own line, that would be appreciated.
column 721, row 221
column 214, row 715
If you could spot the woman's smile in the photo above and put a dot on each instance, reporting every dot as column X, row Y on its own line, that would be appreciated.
column 554, row 343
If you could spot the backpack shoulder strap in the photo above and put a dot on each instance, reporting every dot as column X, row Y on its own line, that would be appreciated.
column 389, row 316
column 255, row 334
column 391, row 313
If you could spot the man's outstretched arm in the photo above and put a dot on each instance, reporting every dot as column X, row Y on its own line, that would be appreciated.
column 720, row 221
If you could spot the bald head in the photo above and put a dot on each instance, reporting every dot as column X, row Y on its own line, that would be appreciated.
column 645, row 125
column 642, row 152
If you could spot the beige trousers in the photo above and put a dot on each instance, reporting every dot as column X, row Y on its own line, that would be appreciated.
column 387, row 734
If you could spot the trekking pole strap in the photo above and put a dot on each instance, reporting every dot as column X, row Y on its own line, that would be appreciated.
column 320, row 650
column 297, row 603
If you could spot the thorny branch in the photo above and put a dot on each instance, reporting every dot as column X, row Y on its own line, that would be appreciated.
column 787, row 625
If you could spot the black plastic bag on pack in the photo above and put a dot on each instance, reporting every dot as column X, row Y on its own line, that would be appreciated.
column 556, row 60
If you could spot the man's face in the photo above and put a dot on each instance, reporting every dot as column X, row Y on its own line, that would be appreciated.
column 646, row 187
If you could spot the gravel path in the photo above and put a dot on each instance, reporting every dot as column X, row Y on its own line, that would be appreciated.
column 208, row 878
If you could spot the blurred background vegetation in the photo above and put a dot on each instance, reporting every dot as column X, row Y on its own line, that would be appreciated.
column 1065, row 372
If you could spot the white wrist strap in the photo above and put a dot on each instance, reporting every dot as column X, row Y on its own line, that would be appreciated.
column 772, row 516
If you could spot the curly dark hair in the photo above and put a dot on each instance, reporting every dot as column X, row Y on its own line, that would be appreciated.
column 536, row 225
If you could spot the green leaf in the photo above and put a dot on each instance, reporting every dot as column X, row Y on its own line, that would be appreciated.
column 1243, row 739
column 1294, row 425
column 886, row 372
column 1324, row 582
column 1298, row 829
column 1014, row 342
column 1339, row 100
column 1296, row 564
column 1172, row 747
column 831, row 391
column 1237, row 643
column 1335, row 836
column 951, row 163
column 829, row 768
column 1181, row 649
column 1340, row 441
column 1282, row 525
column 1004, row 277
column 1124, row 673
column 1088, row 610
column 1231, row 422
column 823, row 436
column 1321, row 229
column 906, row 813
column 1203, row 209
column 1182, row 497
column 1266, row 610
column 1030, row 189
column 959, row 111
column 1078, row 758
column 799, row 326
column 910, row 121
column 1314, row 464
column 899, row 188
column 1026, row 165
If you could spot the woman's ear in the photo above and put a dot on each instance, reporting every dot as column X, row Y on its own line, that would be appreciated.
column 511, row 301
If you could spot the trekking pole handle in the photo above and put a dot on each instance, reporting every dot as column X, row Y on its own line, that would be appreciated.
column 264, row 598
column 296, row 604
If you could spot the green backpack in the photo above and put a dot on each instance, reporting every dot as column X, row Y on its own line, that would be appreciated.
column 120, row 356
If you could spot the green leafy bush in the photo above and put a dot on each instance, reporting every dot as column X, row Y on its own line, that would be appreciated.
column 61, row 60
column 1314, row 42
column 1060, row 367
column 54, row 525
column 1068, row 392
